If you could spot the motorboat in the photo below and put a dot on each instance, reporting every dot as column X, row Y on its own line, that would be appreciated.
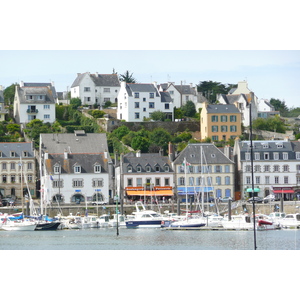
column 103, row 221
column 238, row 222
column 276, row 217
column 185, row 223
column 117, row 219
column 290, row 221
column 145, row 218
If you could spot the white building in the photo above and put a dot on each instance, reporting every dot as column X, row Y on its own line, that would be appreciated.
column 75, row 167
column 180, row 93
column 137, row 101
column 35, row 101
column 3, row 111
column 266, row 109
column 276, row 166
column 95, row 88
column 240, row 97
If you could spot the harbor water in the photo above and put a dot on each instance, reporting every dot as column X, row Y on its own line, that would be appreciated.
column 149, row 239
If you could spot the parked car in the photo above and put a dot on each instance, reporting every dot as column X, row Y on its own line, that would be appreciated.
column 225, row 199
column 98, row 202
column 270, row 197
column 8, row 201
column 257, row 200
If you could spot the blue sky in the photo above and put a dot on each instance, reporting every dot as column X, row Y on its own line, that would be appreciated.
column 269, row 73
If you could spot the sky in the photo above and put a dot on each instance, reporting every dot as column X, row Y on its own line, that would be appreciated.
column 269, row 73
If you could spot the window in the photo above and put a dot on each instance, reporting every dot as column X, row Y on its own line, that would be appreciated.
column 181, row 181
column 286, row 179
column 4, row 178
column 279, row 145
column 167, row 181
column 214, row 128
column 77, row 183
column 233, row 128
column 157, row 181
column 297, row 155
column 136, row 95
column 137, row 115
column 266, row 156
column 218, row 180
column 247, row 156
column 248, row 168
column 46, row 117
column 223, row 118
column 97, row 169
column 148, row 169
column 144, row 109
column 3, row 166
column 13, row 178
column 139, row 182
column 46, row 106
column 276, row 179
column 97, row 182
column 167, row 168
column 129, row 169
column 265, row 145
column 286, row 168
column 257, row 179
column 215, row 137
column 209, row 180
column 167, row 106
column 86, row 89
column 139, row 169
column 57, row 183
column 191, row 181
column 12, row 166
column 276, row 156
column 144, row 99
column 257, row 156
column 218, row 169
column 56, row 169
column 136, row 104
column 266, row 168
column 106, row 90
column 223, row 128
column 129, row 181
column 151, row 95
column 285, row 156
column 151, row 105
column 12, row 154
column 227, row 180
column 248, row 180
column 214, row 118
column 257, row 168
column 157, row 168
column 232, row 118
column 77, row 169
column 267, row 179
column 276, row 168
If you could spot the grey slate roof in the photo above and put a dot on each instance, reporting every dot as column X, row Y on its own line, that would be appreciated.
column 141, row 87
column 146, row 159
column 86, row 161
column 185, row 89
column 99, row 79
column 86, row 143
column 49, row 92
column 222, row 108
column 211, row 155
column 165, row 97
column 1, row 97
column 18, row 148
column 230, row 99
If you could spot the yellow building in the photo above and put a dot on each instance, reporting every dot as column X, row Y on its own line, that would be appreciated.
column 220, row 122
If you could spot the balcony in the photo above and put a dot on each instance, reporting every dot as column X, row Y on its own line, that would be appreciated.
column 32, row 111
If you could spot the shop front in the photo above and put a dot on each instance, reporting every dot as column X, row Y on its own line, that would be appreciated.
column 285, row 193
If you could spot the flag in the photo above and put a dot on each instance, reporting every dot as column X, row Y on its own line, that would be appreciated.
column 51, row 178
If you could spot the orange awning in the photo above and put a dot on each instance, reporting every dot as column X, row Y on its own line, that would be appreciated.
column 150, row 193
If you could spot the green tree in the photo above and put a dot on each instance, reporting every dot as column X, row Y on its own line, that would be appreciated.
column 189, row 109
column 210, row 89
column 279, row 106
column 12, row 128
column 9, row 94
column 121, row 131
column 127, row 77
column 159, row 138
column 75, row 102
column 140, row 143
column 97, row 113
column 158, row 116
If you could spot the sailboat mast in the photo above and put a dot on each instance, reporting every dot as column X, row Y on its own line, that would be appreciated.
column 186, row 193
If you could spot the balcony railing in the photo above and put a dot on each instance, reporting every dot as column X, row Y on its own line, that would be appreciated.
column 32, row 111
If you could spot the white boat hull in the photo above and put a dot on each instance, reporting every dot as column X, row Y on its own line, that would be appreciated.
column 18, row 227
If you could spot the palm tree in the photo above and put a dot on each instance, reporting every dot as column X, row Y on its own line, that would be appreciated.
column 127, row 77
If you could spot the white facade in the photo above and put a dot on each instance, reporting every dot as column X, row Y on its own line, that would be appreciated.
column 95, row 88
column 34, row 101
column 138, row 101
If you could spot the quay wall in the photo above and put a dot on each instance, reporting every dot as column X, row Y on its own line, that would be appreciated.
column 288, row 207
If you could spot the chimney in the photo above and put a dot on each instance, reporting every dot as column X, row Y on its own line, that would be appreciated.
column 21, row 83
column 138, row 153
column 46, row 156
column 65, row 154
column 171, row 152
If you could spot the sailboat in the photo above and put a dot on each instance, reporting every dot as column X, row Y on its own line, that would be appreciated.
column 16, row 222
column 191, row 219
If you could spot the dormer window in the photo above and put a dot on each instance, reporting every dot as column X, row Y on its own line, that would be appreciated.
column 129, row 169
column 12, row 154
column 148, row 169
column 166, row 168
column 139, row 169
column 97, row 168
column 77, row 169
column 265, row 145
column 157, row 168
column 279, row 145
column 57, row 169
column 25, row 154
